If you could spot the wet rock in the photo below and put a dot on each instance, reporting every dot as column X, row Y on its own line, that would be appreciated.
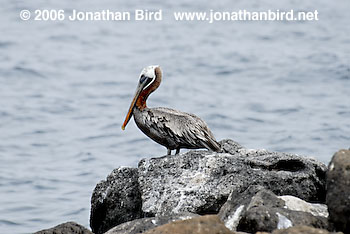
column 116, row 200
column 69, row 227
column 258, row 209
column 302, row 230
column 338, row 190
column 208, row 224
column 144, row 224
column 200, row 181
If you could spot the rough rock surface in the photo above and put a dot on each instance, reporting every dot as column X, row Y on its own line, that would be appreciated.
column 200, row 181
column 230, row 146
column 258, row 209
column 144, row 224
column 64, row 228
column 338, row 190
column 116, row 200
column 208, row 224
column 302, row 230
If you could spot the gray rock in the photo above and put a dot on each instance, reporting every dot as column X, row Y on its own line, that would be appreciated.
column 264, row 211
column 296, row 204
column 338, row 190
column 236, row 205
column 145, row 224
column 230, row 146
column 64, row 228
column 116, row 200
column 200, row 181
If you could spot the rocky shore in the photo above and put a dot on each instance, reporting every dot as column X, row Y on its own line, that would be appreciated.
column 238, row 191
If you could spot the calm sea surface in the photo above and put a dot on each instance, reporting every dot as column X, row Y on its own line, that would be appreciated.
column 65, row 88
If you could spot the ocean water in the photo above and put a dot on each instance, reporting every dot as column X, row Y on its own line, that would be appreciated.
column 65, row 88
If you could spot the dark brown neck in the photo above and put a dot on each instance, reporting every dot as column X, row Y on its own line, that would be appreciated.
column 141, row 101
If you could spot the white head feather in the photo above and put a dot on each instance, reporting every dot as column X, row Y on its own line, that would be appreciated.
column 149, row 71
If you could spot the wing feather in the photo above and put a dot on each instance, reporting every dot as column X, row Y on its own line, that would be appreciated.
column 186, row 130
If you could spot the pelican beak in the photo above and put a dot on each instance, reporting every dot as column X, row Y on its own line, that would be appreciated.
column 129, row 114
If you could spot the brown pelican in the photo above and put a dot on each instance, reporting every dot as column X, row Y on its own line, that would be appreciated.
column 170, row 128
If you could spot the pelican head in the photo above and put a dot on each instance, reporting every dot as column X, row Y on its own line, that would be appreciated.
column 149, row 81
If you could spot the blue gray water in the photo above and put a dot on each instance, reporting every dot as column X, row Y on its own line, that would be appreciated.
column 65, row 88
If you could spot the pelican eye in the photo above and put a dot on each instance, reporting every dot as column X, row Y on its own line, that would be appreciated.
column 142, row 78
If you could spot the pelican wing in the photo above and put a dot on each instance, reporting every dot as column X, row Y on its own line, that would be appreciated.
column 186, row 130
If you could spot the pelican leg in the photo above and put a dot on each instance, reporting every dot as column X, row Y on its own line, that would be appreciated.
column 177, row 151
column 169, row 151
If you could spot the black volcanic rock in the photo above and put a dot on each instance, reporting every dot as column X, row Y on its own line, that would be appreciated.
column 264, row 211
column 116, row 200
column 338, row 190
column 64, row 228
column 200, row 181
